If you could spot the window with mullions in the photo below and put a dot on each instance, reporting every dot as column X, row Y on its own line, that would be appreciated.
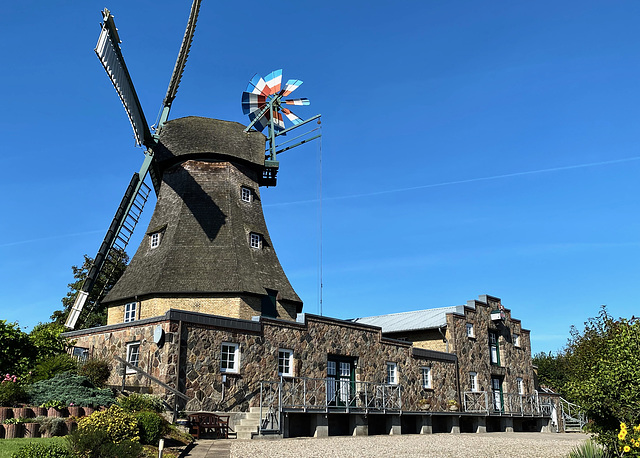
column 392, row 374
column 255, row 240
column 516, row 340
column 285, row 363
column 245, row 194
column 426, row 377
column 494, row 348
column 230, row 357
column 470, row 331
column 133, row 355
column 154, row 240
column 130, row 311
column 473, row 381
column 520, row 386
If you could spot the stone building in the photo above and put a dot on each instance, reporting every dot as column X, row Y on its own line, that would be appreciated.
column 205, row 317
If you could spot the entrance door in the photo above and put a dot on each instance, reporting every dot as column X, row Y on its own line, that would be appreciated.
column 340, row 381
column 496, row 388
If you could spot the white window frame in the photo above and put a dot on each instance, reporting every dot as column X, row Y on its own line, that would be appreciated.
column 392, row 373
column 255, row 240
column 229, row 357
column 520, row 385
column 133, row 355
column 473, row 381
column 130, row 312
column 245, row 194
column 470, row 331
column 155, row 239
column 285, row 362
column 516, row 340
column 425, row 373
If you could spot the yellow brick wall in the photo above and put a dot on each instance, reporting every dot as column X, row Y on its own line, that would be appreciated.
column 428, row 339
column 234, row 307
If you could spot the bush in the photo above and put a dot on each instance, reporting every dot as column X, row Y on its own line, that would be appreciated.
column 137, row 402
column 96, row 370
column 588, row 449
column 152, row 427
column 11, row 391
column 40, row 450
column 54, row 426
column 96, row 443
column 54, row 365
column 70, row 388
column 119, row 425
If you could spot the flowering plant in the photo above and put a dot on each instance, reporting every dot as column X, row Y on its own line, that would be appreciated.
column 11, row 391
column 629, row 441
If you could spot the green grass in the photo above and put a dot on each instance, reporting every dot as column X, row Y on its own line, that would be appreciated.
column 9, row 446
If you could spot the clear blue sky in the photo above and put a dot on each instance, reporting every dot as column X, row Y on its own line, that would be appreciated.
column 468, row 147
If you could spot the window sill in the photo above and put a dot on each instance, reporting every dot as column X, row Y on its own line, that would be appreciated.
column 471, row 337
column 424, row 388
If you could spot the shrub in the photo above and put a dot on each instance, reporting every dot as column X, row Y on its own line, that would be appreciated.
column 54, row 426
column 119, row 425
column 54, row 365
column 137, row 402
column 97, row 370
column 70, row 388
column 11, row 391
column 152, row 427
column 42, row 450
column 96, row 443
column 588, row 449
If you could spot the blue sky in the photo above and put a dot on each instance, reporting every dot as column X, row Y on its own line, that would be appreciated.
column 468, row 147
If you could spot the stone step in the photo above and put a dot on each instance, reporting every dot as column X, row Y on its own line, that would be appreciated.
column 244, row 428
column 252, row 416
column 245, row 435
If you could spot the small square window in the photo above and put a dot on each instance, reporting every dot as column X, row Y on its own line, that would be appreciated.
column 473, row 381
column 154, row 239
column 130, row 312
column 285, row 363
column 426, row 377
column 133, row 355
column 255, row 240
column 470, row 332
column 392, row 374
column 230, row 357
column 80, row 353
column 520, row 385
column 245, row 193
column 516, row 340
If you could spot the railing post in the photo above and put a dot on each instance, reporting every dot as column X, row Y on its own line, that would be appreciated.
column 260, row 424
column 384, row 398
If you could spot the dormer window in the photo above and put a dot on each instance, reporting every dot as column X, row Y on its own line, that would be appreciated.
column 130, row 312
column 255, row 240
column 245, row 194
column 154, row 239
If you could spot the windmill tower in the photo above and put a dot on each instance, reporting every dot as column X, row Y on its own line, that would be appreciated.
column 207, row 247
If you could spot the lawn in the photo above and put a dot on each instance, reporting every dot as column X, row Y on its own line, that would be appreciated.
column 9, row 446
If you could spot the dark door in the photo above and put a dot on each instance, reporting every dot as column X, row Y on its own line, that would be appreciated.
column 496, row 390
column 341, row 376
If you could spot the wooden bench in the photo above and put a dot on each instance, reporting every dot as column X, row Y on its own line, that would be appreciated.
column 206, row 423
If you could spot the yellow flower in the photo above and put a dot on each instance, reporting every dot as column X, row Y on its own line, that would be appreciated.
column 627, row 449
column 637, row 428
column 622, row 435
column 623, row 426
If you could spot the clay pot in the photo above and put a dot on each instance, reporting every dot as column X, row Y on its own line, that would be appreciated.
column 39, row 411
column 13, row 431
column 72, row 425
column 22, row 412
column 31, row 429
column 75, row 411
column 5, row 412
column 54, row 412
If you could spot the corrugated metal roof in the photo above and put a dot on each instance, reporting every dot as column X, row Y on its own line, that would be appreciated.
column 411, row 321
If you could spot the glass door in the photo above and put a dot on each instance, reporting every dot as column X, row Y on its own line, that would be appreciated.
column 496, row 389
column 340, row 381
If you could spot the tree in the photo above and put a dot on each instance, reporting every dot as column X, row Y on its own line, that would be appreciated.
column 604, row 374
column 552, row 370
column 16, row 350
column 94, row 313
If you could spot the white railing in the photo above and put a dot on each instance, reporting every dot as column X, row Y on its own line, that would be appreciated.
column 494, row 402
column 572, row 416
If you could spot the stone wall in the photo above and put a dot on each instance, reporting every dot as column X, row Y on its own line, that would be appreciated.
column 474, row 354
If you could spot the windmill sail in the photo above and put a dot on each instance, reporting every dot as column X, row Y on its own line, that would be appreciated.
column 108, row 51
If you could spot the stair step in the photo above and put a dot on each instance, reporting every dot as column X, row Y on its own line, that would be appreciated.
column 245, row 428
column 244, row 436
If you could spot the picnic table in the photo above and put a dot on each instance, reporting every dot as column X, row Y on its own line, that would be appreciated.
column 209, row 423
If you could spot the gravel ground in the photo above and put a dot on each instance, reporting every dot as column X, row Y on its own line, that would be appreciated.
column 518, row 445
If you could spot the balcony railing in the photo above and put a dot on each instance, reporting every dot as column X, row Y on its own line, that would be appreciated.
column 494, row 402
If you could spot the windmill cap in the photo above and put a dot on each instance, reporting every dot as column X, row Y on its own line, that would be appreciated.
column 194, row 137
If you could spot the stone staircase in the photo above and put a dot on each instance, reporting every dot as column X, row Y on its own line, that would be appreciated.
column 248, row 427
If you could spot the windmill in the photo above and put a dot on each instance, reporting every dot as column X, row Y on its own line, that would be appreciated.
column 262, row 101
column 135, row 197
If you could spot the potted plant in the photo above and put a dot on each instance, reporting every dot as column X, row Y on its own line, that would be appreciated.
column 424, row 403
column 12, row 428
column 74, row 410
column 453, row 404
column 31, row 427
column 54, row 408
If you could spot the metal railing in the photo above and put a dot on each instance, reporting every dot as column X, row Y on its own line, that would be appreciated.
column 494, row 402
column 323, row 395
column 572, row 416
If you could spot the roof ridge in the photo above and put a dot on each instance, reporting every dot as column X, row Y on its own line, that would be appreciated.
column 410, row 311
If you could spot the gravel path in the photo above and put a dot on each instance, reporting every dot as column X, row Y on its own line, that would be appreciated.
column 518, row 445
